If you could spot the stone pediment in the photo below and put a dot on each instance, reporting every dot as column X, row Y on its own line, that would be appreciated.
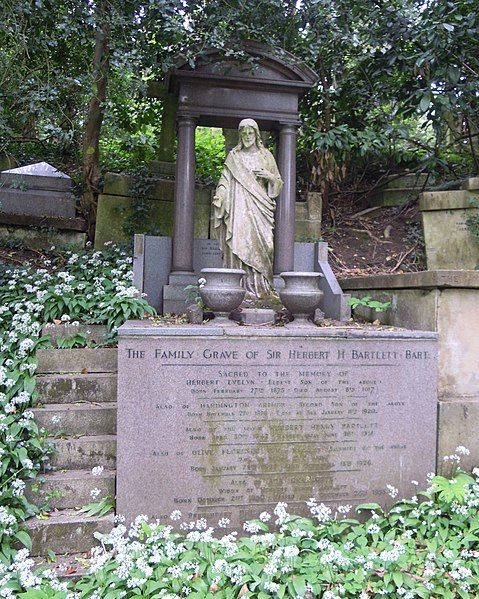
column 267, row 67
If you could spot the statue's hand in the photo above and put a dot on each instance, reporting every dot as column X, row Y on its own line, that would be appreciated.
column 262, row 173
column 219, row 205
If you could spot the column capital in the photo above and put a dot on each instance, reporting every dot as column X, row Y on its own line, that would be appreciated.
column 288, row 127
column 183, row 120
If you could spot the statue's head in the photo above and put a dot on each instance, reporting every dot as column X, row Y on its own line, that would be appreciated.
column 249, row 133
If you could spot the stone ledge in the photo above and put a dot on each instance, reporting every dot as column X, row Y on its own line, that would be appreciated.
column 73, row 488
column 85, row 360
column 145, row 328
column 46, row 222
column 471, row 183
column 67, row 529
column 446, row 200
column 426, row 279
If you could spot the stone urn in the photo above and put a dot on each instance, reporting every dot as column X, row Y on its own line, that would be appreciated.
column 301, row 295
column 223, row 291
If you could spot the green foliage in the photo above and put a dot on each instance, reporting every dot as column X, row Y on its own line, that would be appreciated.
column 418, row 549
column 99, row 508
column 137, row 217
column 93, row 287
column 397, row 81
column 368, row 302
column 193, row 293
column 472, row 221
column 210, row 153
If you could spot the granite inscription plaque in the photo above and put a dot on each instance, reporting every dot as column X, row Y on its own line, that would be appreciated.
column 227, row 425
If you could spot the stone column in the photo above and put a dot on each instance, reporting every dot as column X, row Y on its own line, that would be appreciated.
column 184, row 199
column 285, row 207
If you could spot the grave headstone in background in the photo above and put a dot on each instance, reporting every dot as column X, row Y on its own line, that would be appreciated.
column 450, row 243
column 121, row 192
column 38, row 190
column 38, row 208
column 398, row 190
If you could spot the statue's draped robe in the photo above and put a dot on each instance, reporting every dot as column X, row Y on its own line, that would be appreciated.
column 243, row 217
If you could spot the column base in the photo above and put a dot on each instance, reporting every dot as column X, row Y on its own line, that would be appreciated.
column 175, row 298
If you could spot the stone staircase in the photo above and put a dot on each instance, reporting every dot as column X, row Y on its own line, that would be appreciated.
column 77, row 406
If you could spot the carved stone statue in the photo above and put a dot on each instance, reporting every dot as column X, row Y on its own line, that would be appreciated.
column 244, row 209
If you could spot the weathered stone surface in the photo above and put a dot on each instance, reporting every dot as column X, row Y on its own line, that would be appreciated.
column 407, row 181
column 114, row 211
column 84, row 452
column 44, row 222
column 66, row 528
column 162, row 167
column 446, row 200
column 448, row 310
column 410, row 308
column 71, row 388
column 194, row 314
column 458, row 426
column 459, row 248
column 471, row 184
column 426, row 279
column 458, row 328
column 84, row 360
column 393, row 197
column 92, row 332
column 40, row 175
column 70, row 489
column 77, row 419
column 41, row 238
column 228, row 424
column 37, row 203
column 255, row 316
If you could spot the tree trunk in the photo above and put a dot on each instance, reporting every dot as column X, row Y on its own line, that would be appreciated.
column 92, row 131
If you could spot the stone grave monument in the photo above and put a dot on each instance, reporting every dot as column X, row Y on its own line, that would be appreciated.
column 449, row 211
column 221, row 420
column 37, row 207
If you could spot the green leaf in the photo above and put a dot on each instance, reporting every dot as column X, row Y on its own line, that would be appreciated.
column 299, row 585
column 425, row 102
column 24, row 539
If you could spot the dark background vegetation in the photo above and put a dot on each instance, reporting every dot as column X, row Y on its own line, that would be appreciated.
column 398, row 84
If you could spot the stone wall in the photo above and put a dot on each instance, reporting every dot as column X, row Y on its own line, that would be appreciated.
column 449, row 241
column 446, row 302
column 116, row 204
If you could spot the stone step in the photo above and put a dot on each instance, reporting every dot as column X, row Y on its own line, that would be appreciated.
column 84, row 360
column 69, row 388
column 77, row 419
column 84, row 452
column 66, row 531
column 70, row 489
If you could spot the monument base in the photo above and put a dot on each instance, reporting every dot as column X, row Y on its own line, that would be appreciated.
column 152, row 263
column 226, row 422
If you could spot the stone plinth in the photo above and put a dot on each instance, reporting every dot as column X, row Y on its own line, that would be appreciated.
column 446, row 302
column 449, row 241
column 226, row 422
column 152, row 265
